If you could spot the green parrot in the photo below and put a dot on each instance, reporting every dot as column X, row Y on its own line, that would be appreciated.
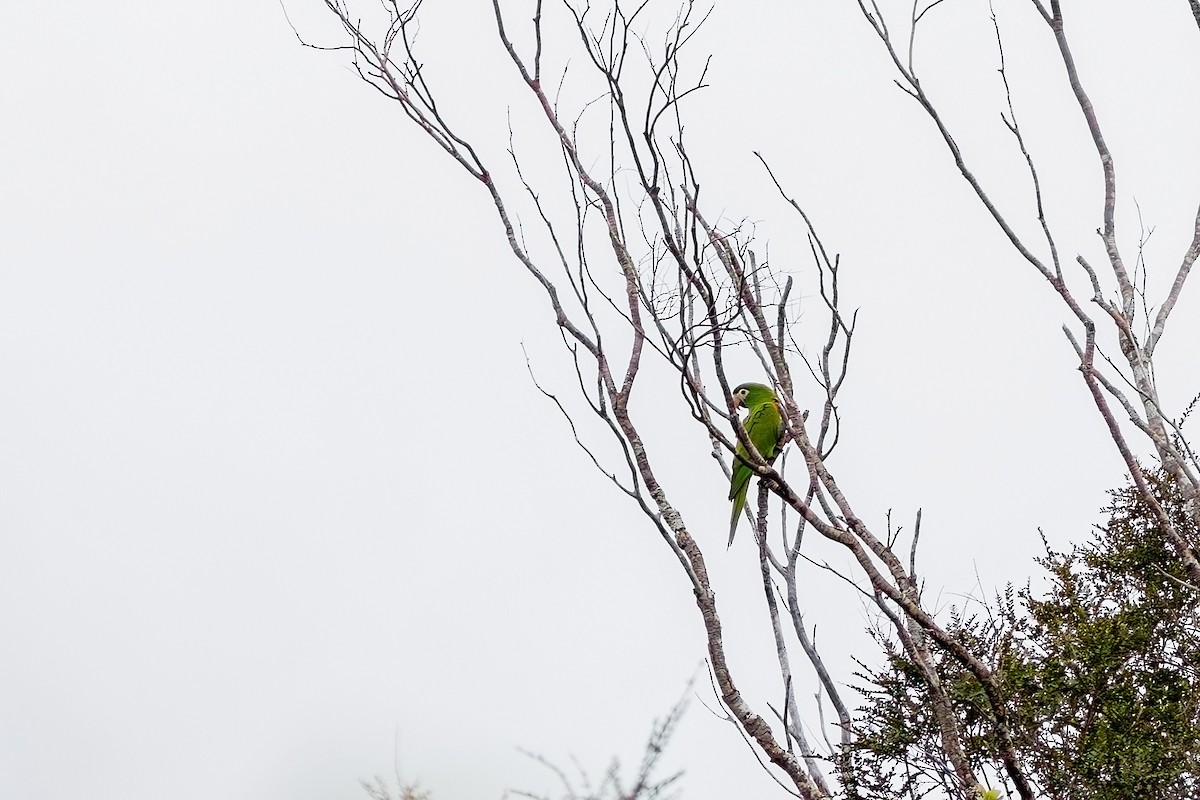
column 764, row 427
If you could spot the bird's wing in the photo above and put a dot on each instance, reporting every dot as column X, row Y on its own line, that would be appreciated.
column 764, row 426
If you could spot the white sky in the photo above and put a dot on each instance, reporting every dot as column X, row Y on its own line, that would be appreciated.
column 278, row 497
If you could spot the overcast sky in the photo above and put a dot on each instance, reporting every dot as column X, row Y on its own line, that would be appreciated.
column 278, row 501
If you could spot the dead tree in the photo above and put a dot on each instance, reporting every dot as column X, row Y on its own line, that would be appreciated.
column 644, row 280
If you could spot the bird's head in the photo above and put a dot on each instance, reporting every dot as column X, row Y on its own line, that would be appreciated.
column 749, row 395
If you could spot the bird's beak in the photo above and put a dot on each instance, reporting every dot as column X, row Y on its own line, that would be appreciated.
column 736, row 400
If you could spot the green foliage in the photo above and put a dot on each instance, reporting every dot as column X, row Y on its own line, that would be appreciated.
column 1114, row 651
column 1099, row 677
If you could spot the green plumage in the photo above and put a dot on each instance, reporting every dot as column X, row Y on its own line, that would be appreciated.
column 764, row 427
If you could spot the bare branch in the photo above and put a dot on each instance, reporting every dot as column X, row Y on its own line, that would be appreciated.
column 1108, row 234
column 1189, row 258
